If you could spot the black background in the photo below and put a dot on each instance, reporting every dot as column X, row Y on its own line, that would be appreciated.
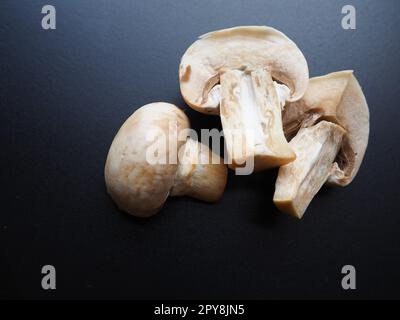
column 65, row 93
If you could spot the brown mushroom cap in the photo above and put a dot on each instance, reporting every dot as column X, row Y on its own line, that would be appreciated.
column 244, row 48
column 336, row 97
column 136, row 186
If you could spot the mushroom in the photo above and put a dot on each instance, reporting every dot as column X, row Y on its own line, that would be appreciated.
column 331, row 128
column 336, row 97
column 299, row 181
column 152, row 157
column 230, row 72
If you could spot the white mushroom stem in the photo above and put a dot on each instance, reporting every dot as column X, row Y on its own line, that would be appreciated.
column 250, row 111
column 214, row 97
column 298, row 182
column 201, row 173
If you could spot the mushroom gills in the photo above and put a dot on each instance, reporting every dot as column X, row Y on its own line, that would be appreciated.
column 298, row 182
column 250, row 110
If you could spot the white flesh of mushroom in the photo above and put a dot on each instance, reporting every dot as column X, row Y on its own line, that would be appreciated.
column 250, row 112
column 335, row 97
column 298, row 182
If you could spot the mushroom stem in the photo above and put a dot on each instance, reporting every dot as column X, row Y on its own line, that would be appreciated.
column 250, row 110
column 201, row 173
column 298, row 182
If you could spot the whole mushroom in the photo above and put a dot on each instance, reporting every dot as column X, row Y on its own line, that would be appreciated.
column 231, row 72
column 152, row 158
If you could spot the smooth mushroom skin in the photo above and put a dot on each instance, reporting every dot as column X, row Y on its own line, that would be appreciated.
column 139, row 186
column 245, row 48
column 336, row 97
column 197, row 176
column 353, row 115
column 299, row 181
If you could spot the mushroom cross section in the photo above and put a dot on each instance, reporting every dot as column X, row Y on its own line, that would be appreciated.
column 299, row 181
column 335, row 97
column 151, row 158
column 230, row 72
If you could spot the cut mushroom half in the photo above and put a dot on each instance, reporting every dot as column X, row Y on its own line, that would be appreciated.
column 298, row 182
column 336, row 97
column 231, row 72
column 152, row 158
column 251, row 117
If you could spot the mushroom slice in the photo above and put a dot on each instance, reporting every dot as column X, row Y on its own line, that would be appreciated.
column 214, row 63
column 251, row 117
column 143, row 164
column 336, row 97
column 299, row 181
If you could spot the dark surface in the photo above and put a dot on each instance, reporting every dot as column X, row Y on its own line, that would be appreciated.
column 64, row 94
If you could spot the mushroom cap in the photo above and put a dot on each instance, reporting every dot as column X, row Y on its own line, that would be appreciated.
column 336, row 97
column 243, row 48
column 137, row 187
column 353, row 115
column 322, row 97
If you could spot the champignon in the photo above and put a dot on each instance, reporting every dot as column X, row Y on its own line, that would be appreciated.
column 330, row 125
column 336, row 97
column 299, row 181
column 230, row 72
column 152, row 157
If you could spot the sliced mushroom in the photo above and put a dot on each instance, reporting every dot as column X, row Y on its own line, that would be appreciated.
column 336, row 97
column 140, row 185
column 299, row 181
column 230, row 72
column 251, row 117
